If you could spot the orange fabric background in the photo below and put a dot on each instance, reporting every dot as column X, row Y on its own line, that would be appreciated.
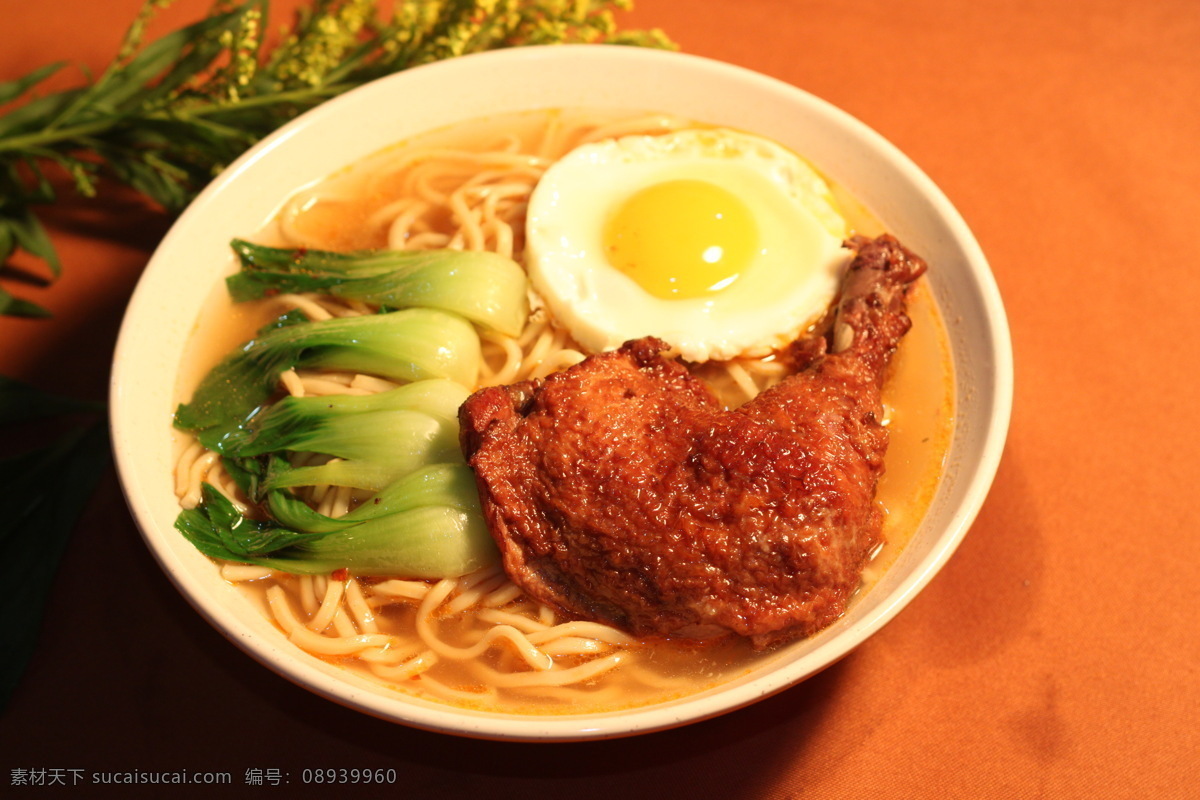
column 1054, row 657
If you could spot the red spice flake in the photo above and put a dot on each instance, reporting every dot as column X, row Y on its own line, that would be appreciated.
column 341, row 574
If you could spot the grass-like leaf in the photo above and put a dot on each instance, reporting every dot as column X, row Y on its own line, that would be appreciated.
column 16, row 307
column 42, row 491
column 168, row 115
column 11, row 90
column 21, row 403
column 29, row 235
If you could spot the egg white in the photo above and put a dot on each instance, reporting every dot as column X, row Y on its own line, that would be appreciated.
column 792, row 279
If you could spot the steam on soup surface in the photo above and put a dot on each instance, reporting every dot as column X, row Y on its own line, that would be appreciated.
column 476, row 641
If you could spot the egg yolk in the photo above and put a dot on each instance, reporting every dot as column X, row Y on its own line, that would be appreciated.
column 681, row 238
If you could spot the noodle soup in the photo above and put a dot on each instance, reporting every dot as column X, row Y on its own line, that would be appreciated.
column 476, row 641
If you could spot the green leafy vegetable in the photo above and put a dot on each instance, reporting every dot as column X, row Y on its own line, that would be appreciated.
column 423, row 522
column 419, row 541
column 424, row 519
column 167, row 116
column 381, row 436
column 408, row 345
column 377, row 448
column 450, row 485
column 484, row 287
column 302, row 423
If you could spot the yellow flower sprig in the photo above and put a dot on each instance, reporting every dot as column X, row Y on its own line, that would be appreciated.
column 168, row 115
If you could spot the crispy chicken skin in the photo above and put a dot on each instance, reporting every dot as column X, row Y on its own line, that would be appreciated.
column 620, row 490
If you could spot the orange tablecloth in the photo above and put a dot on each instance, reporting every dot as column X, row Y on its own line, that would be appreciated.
column 1054, row 657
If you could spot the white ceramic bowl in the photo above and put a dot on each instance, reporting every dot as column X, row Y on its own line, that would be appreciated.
column 194, row 255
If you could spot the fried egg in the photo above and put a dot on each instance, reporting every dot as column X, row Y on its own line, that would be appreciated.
column 720, row 243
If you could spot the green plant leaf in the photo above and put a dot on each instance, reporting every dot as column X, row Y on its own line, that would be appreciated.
column 8, row 240
column 30, row 236
column 43, row 492
column 165, row 117
column 20, row 403
column 180, row 55
column 11, row 306
column 11, row 90
column 37, row 113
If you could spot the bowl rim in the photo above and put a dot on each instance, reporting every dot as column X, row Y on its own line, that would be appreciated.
column 997, row 372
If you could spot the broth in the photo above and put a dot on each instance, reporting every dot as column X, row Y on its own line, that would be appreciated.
column 344, row 213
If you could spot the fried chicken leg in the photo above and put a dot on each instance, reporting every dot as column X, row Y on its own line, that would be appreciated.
column 620, row 490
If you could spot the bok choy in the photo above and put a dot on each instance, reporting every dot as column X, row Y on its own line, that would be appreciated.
column 451, row 485
column 484, row 287
column 417, row 540
column 421, row 518
column 413, row 344
column 377, row 437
